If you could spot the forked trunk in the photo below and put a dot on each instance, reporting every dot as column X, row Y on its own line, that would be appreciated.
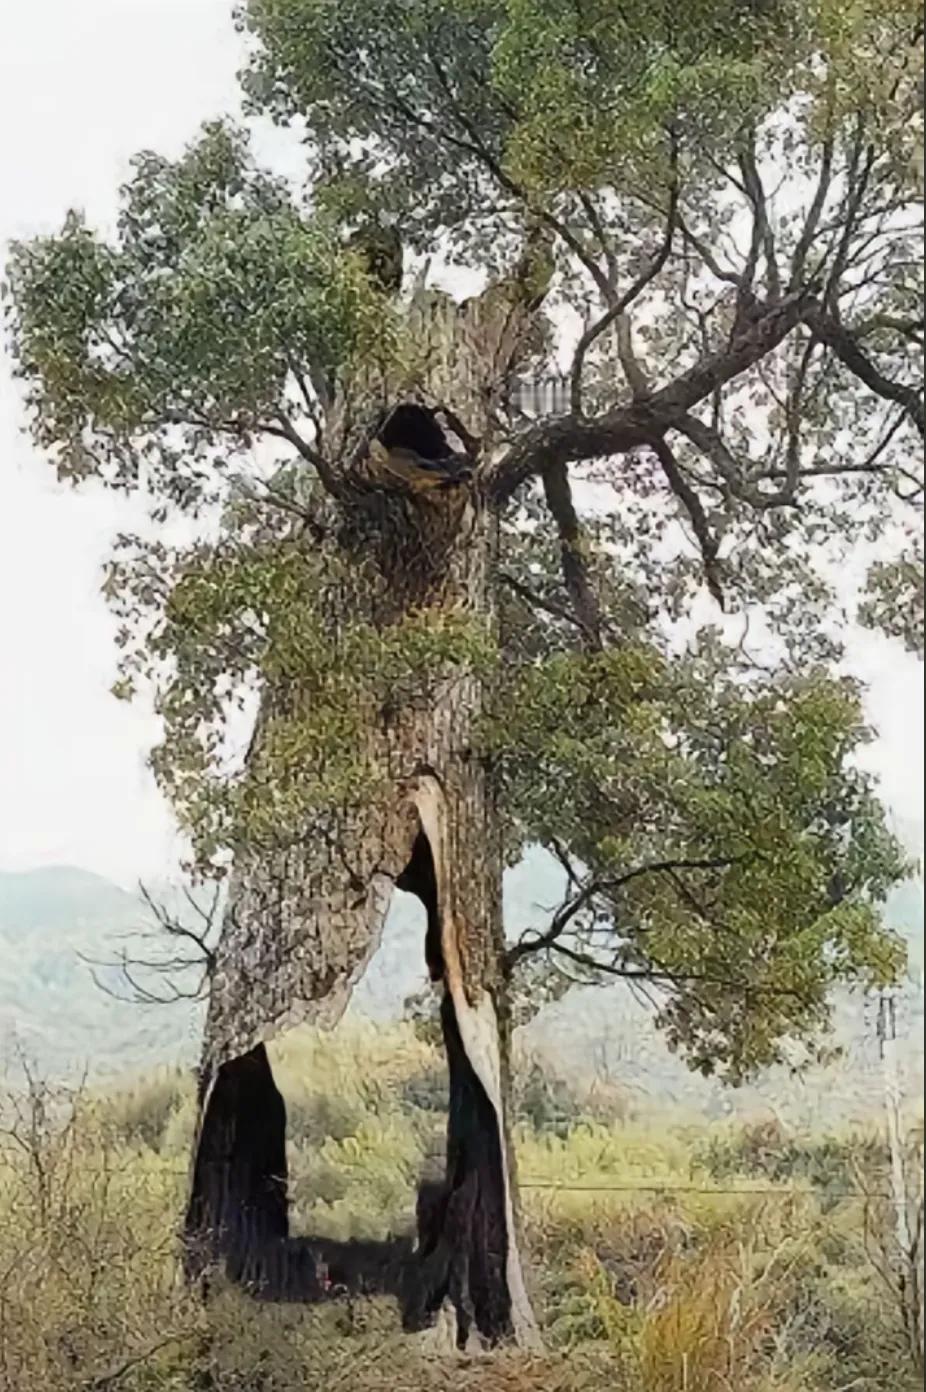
column 303, row 923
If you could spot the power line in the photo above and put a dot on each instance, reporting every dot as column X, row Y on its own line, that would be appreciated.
column 718, row 1191
column 766, row 1191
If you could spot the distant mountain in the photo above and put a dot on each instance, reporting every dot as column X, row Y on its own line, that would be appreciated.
column 55, row 920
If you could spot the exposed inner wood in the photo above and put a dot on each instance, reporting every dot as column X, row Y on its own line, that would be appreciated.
column 306, row 911
column 238, row 1221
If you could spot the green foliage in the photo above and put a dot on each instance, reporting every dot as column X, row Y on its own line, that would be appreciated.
column 270, row 612
column 727, row 849
column 140, row 352
column 544, row 1102
column 142, row 1115
column 828, row 1163
column 531, row 96
column 894, row 602
column 637, row 1288
column 732, row 852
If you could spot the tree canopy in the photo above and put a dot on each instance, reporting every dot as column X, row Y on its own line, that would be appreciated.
column 726, row 198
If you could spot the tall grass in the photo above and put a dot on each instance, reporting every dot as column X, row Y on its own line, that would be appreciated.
column 705, row 1287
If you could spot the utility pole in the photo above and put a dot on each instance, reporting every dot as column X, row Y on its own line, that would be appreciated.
column 907, row 1200
column 887, row 1041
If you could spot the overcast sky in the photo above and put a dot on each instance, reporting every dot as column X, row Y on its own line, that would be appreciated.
column 83, row 87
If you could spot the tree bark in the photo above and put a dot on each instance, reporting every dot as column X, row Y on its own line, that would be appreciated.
column 302, row 924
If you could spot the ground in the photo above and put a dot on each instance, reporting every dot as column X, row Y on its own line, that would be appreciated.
column 667, row 1254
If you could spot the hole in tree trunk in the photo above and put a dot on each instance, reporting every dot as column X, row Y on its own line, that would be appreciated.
column 238, row 1218
column 462, row 1224
column 410, row 427
column 237, row 1215
column 418, row 878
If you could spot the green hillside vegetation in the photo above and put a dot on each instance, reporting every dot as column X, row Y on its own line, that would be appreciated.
column 54, row 921
column 677, row 1257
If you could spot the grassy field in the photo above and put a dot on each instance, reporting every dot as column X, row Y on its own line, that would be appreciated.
column 666, row 1259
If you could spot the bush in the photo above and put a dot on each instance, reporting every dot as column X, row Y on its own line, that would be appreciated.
column 141, row 1113
column 543, row 1101
column 637, row 1291
column 829, row 1164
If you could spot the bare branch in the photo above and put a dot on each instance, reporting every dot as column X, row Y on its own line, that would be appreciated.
column 203, row 958
column 174, row 928
column 695, row 510
column 567, row 912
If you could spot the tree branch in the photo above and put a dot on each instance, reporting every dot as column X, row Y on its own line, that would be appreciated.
column 477, row 146
column 536, row 601
column 843, row 343
column 573, row 555
column 540, row 942
column 858, row 177
column 815, row 212
column 723, row 273
column 695, row 510
column 560, row 440
column 287, row 431
column 763, row 236
column 620, row 306
column 204, row 959
column 657, row 975
column 272, row 497
column 526, row 946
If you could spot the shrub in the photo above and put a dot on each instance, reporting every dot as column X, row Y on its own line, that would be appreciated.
column 141, row 1112
column 764, row 1151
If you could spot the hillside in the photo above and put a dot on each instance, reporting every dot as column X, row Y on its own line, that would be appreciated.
column 52, row 920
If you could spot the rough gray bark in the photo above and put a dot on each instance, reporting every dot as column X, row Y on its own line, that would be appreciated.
column 303, row 923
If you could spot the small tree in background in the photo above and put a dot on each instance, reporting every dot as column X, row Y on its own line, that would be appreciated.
column 360, row 530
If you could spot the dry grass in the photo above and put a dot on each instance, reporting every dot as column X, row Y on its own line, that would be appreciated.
column 639, row 1292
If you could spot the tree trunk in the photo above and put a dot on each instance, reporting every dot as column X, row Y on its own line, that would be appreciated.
column 302, row 925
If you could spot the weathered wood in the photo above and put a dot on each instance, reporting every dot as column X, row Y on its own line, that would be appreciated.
column 304, row 920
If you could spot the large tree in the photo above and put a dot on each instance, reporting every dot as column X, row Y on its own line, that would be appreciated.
column 364, row 530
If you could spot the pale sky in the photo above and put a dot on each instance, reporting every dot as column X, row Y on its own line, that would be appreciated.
column 83, row 87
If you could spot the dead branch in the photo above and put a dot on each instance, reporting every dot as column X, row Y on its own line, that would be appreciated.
column 201, row 960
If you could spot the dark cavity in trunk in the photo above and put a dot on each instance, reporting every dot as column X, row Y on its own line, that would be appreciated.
column 237, row 1217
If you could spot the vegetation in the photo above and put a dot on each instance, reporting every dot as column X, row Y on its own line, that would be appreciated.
column 678, row 1286
column 689, row 792
column 454, row 654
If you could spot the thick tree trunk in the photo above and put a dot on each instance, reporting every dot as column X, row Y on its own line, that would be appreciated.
column 303, row 924
column 469, row 1247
